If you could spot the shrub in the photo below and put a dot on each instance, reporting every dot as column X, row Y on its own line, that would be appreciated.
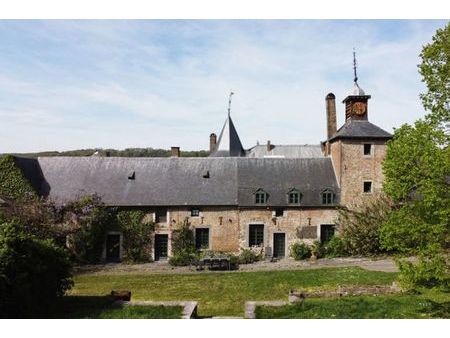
column 300, row 251
column 137, row 233
column 182, row 258
column 360, row 226
column 183, row 246
column 248, row 256
column 430, row 270
column 319, row 249
column 33, row 273
column 336, row 247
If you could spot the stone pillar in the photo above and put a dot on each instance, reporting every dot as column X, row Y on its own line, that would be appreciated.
column 175, row 152
column 331, row 115
column 212, row 142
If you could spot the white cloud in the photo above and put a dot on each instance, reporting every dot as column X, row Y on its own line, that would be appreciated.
column 163, row 83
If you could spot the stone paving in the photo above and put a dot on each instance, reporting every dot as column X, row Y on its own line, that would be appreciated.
column 379, row 264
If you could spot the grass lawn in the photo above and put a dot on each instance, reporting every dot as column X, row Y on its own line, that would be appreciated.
column 100, row 307
column 430, row 304
column 224, row 294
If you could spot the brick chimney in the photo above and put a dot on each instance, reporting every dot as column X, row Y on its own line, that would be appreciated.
column 175, row 152
column 331, row 115
column 212, row 142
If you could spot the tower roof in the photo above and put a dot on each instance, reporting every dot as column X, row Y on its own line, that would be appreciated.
column 360, row 129
column 229, row 144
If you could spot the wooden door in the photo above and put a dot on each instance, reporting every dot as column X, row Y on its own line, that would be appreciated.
column 279, row 245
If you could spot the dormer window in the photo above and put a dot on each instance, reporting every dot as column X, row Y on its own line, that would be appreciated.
column 195, row 212
column 261, row 197
column 294, row 196
column 327, row 197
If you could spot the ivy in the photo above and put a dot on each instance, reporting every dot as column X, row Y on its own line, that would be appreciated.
column 13, row 184
column 137, row 232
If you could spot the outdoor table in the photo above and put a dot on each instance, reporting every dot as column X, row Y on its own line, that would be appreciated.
column 216, row 261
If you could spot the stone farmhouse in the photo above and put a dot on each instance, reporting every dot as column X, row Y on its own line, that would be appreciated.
column 269, row 196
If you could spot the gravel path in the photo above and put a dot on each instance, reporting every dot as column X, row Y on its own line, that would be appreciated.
column 380, row 264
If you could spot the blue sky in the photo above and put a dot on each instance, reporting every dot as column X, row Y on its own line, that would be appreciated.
column 160, row 83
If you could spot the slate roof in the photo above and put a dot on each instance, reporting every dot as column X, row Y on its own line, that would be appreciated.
column 228, row 144
column 286, row 151
column 354, row 128
column 181, row 181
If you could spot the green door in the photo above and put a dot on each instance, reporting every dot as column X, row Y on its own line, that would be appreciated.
column 161, row 242
column 279, row 245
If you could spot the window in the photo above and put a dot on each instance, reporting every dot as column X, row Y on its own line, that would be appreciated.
column 256, row 234
column 278, row 212
column 195, row 212
column 202, row 238
column 161, row 215
column 367, row 149
column 327, row 197
column 260, row 197
column 294, row 197
column 367, row 187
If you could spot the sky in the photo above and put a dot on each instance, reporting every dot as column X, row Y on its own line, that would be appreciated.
column 73, row 84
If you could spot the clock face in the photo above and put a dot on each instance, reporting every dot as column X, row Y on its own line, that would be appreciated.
column 359, row 108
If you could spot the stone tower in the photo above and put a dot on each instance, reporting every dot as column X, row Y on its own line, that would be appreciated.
column 357, row 150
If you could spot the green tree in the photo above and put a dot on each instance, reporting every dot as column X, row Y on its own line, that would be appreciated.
column 435, row 71
column 417, row 171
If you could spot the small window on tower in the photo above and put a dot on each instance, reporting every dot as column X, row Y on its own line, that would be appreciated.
column 367, row 187
column 367, row 149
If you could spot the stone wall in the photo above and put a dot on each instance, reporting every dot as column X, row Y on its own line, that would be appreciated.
column 352, row 168
column 228, row 226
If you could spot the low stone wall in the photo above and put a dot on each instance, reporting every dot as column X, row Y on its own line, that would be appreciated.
column 300, row 296
column 297, row 296
column 189, row 307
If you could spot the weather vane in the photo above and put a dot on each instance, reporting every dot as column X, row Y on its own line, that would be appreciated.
column 354, row 65
column 229, row 103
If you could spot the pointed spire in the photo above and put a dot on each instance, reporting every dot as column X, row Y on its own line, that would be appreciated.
column 228, row 143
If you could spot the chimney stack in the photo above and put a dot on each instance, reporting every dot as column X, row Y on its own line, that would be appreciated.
column 331, row 115
column 175, row 152
column 212, row 142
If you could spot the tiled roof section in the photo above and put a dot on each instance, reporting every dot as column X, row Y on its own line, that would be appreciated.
column 183, row 181
column 278, row 176
column 229, row 144
column 286, row 151
column 156, row 181
column 354, row 128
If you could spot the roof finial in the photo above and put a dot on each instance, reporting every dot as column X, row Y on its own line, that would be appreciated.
column 354, row 66
column 229, row 103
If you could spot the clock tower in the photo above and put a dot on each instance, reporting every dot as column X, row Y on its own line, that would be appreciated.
column 356, row 103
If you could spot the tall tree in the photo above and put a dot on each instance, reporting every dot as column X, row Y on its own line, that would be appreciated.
column 435, row 71
column 417, row 172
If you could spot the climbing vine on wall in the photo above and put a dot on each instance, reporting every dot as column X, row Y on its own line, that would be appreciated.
column 13, row 184
column 137, row 232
